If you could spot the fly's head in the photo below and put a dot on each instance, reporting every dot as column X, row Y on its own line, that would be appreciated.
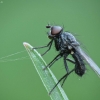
column 54, row 31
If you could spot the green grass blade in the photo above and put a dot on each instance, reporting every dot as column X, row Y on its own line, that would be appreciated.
column 47, row 77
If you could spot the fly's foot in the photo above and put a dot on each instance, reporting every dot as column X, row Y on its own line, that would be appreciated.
column 45, row 68
column 32, row 49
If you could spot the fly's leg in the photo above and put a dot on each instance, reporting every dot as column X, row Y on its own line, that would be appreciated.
column 65, row 76
column 70, row 60
column 66, row 66
column 74, row 69
column 65, row 63
column 53, row 61
column 63, row 81
column 43, row 46
column 48, row 45
column 47, row 49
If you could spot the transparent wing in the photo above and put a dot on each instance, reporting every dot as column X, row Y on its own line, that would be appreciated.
column 91, row 63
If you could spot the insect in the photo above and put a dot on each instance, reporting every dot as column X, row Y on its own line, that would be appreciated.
column 66, row 44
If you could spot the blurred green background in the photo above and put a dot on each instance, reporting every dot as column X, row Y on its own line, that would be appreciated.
column 24, row 21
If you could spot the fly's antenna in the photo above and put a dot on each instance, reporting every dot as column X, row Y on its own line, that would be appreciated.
column 48, row 26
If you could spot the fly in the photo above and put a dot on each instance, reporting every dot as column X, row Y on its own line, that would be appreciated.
column 66, row 44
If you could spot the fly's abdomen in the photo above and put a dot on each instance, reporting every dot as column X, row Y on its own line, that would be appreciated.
column 80, row 65
column 80, row 71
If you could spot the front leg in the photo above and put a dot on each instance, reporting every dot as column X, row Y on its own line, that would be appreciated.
column 48, row 45
column 48, row 48
column 43, row 46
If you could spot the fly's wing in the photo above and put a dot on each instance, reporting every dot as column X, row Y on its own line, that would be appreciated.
column 92, row 64
column 71, row 40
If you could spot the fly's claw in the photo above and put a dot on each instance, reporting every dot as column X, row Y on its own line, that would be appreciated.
column 45, row 68
column 32, row 49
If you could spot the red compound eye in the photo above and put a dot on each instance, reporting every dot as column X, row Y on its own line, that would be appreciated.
column 56, row 30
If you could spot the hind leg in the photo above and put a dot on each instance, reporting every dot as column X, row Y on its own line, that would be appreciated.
column 64, row 77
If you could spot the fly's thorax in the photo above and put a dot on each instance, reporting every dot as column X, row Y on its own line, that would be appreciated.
column 60, row 45
column 70, row 39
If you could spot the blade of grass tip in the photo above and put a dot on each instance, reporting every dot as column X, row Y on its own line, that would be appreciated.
column 47, row 77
